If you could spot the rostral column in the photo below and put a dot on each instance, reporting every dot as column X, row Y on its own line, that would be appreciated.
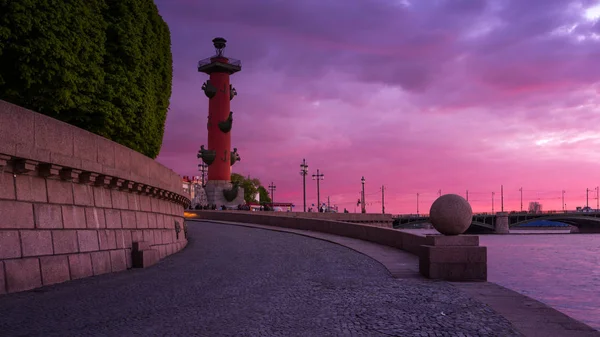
column 218, row 155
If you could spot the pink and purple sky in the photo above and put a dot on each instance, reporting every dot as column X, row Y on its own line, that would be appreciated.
column 415, row 95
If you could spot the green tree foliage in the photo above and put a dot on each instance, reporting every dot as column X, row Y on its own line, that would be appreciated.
column 263, row 194
column 251, row 186
column 138, row 63
column 51, row 55
column 102, row 65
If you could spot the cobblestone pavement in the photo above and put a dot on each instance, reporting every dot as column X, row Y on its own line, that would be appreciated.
column 238, row 281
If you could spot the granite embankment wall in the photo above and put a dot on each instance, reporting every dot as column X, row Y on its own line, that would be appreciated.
column 373, row 219
column 72, row 203
column 386, row 236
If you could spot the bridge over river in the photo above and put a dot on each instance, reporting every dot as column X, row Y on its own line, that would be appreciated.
column 585, row 222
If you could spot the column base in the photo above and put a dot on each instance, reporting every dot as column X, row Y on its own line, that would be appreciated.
column 199, row 197
column 214, row 194
column 452, row 260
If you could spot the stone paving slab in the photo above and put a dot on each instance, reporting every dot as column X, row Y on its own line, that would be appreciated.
column 530, row 317
column 237, row 281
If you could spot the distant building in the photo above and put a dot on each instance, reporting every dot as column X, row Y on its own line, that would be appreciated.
column 585, row 209
column 188, row 184
column 325, row 208
column 330, row 209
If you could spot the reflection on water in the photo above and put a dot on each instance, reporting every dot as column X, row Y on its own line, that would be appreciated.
column 561, row 270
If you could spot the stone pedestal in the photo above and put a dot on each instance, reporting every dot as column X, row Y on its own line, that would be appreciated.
column 199, row 197
column 502, row 223
column 214, row 194
column 453, row 258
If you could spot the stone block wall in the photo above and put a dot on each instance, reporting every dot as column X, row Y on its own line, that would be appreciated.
column 72, row 203
column 371, row 219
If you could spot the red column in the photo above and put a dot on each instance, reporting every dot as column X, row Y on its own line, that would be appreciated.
column 218, row 111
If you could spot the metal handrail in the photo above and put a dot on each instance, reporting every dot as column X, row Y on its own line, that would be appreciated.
column 511, row 213
column 208, row 60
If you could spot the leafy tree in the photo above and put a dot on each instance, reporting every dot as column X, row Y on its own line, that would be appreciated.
column 251, row 186
column 51, row 55
column 263, row 194
column 101, row 65
column 247, row 184
column 237, row 178
column 535, row 207
column 138, row 64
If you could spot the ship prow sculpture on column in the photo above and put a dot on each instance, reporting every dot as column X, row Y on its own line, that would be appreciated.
column 217, row 154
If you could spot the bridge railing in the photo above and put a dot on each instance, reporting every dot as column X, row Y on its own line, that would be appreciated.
column 420, row 215
column 425, row 215
column 593, row 212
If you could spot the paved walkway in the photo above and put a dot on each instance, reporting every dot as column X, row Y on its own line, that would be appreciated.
column 399, row 263
column 238, row 281
column 530, row 317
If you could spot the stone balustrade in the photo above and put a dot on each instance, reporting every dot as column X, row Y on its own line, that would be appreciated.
column 374, row 219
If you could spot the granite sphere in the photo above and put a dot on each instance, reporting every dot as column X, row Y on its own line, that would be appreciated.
column 451, row 214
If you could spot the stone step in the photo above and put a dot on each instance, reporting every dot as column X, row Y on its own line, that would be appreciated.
column 144, row 258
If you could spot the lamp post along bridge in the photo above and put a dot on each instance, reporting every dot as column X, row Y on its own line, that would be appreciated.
column 318, row 177
column 303, row 173
column 362, row 201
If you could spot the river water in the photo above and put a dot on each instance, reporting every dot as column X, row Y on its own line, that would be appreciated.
column 561, row 270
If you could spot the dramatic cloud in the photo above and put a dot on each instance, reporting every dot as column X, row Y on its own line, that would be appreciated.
column 415, row 95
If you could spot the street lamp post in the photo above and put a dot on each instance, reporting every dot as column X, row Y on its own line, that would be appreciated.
column 597, row 200
column 382, row 199
column 303, row 173
column 272, row 188
column 521, row 190
column 493, row 193
column 417, row 204
column 564, row 206
column 318, row 177
column 587, row 201
column 362, row 202
column 203, row 168
column 501, row 198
